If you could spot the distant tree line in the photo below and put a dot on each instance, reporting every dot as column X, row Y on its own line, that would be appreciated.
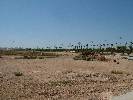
column 108, row 47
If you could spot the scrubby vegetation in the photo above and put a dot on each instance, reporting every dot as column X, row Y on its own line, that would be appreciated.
column 86, row 52
column 29, row 54
column 18, row 73
column 39, row 55
column 117, row 72
column 90, row 56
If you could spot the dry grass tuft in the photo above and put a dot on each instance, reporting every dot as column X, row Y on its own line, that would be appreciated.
column 18, row 73
column 117, row 72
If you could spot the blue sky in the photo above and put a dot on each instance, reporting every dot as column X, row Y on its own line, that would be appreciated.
column 32, row 23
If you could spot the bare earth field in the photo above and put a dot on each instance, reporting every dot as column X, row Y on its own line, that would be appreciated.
column 63, row 78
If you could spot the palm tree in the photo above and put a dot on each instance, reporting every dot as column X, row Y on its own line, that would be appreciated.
column 84, row 47
column 87, row 46
column 131, row 43
column 94, row 46
column 81, row 47
column 79, row 44
column 100, row 47
column 107, row 45
column 72, row 46
column 104, row 45
column 126, row 45
column 77, row 47
column 60, row 47
column 130, row 47
column 55, row 47
column 112, row 45
column 112, row 49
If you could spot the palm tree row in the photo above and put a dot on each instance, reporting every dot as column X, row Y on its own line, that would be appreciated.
column 126, row 47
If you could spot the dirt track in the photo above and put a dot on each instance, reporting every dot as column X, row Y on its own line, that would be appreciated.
column 63, row 78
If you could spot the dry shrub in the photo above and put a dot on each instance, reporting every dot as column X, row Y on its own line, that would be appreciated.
column 40, row 57
column 86, row 53
column 18, row 57
column 118, row 62
column 49, row 54
column 101, row 58
column 80, row 57
column 29, row 57
column 114, row 60
column 18, row 74
column 88, row 58
column 124, row 58
column 117, row 72
column 91, row 57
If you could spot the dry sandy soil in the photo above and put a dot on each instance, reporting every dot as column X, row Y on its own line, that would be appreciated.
column 63, row 78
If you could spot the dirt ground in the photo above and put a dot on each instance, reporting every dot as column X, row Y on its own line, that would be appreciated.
column 63, row 78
